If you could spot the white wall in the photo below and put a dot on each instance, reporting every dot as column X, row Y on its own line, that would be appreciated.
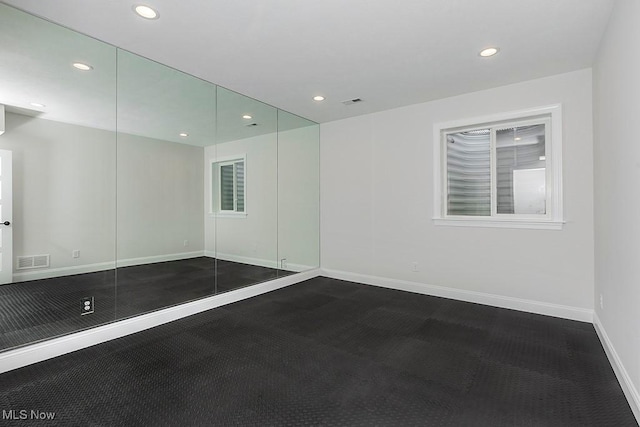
column 617, row 198
column 160, row 186
column 282, row 201
column 299, row 198
column 377, row 193
column 66, row 178
column 252, row 238
column 64, row 190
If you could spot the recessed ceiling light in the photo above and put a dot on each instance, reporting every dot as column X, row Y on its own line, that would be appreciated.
column 82, row 67
column 248, row 117
column 490, row 51
column 37, row 104
column 184, row 134
column 146, row 12
column 517, row 138
column 318, row 98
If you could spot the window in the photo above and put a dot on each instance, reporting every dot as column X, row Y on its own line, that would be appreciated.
column 228, row 184
column 500, row 171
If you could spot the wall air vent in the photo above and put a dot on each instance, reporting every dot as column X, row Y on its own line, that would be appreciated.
column 32, row 261
column 352, row 101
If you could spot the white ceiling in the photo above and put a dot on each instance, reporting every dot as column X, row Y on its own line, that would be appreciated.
column 389, row 53
column 149, row 99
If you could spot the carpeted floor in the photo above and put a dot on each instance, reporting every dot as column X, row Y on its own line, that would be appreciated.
column 41, row 309
column 328, row 352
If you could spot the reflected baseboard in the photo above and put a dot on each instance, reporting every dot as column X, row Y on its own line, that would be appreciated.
column 242, row 259
column 258, row 261
column 158, row 258
column 49, row 273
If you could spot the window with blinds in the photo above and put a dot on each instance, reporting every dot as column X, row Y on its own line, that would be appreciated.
column 229, row 186
column 505, row 171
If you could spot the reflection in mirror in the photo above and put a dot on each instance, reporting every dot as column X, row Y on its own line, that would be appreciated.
column 214, row 190
column 59, row 139
column 241, row 191
column 165, row 119
column 298, row 193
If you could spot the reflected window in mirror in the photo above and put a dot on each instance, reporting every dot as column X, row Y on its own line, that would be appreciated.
column 229, row 186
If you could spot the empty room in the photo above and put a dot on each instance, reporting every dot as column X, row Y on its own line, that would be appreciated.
column 359, row 213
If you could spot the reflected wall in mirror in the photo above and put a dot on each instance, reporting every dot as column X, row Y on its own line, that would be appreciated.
column 242, row 200
column 165, row 119
column 298, row 193
column 187, row 188
column 60, row 141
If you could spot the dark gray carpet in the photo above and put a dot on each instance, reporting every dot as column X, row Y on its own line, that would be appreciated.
column 41, row 309
column 328, row 352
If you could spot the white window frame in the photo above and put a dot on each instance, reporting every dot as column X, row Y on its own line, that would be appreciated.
column 553, row 219
column 215, row 194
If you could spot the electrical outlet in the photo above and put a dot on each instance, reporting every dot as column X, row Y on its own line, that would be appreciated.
column 87, row 305
column 414, row 266
column 283, row 264
column 601, row 302
column 75, row 253
column 186, row 243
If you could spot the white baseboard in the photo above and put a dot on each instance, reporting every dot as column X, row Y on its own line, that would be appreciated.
column 530, row 306
column 629, row 389
column 243, row 259
column 260, row 262
column 23, row 356
column 48, row 273
column 298, row 267
column 158, row 258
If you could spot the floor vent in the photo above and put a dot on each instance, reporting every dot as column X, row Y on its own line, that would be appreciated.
column 32, row 261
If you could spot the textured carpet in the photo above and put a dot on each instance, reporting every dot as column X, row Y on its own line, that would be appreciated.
column 328, row 352
column 41, row 309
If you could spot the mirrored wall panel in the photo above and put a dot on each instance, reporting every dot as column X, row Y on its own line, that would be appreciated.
column 57, row 180
column 165, row 120
column 127, row 186
column 298, row 193
column 242, row 192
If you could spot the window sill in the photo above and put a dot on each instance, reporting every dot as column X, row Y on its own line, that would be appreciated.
column 500, row 223
column 228, row 215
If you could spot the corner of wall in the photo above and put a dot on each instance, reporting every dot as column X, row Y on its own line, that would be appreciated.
column 629, row 389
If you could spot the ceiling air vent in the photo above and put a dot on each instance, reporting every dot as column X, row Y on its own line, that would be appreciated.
column 352, row 101
column 32, row 261
column 250, row 125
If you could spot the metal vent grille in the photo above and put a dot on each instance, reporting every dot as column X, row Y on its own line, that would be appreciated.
column 352, row 101
column 32, row 261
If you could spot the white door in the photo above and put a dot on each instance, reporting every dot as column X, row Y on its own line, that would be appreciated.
column 6, row 211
